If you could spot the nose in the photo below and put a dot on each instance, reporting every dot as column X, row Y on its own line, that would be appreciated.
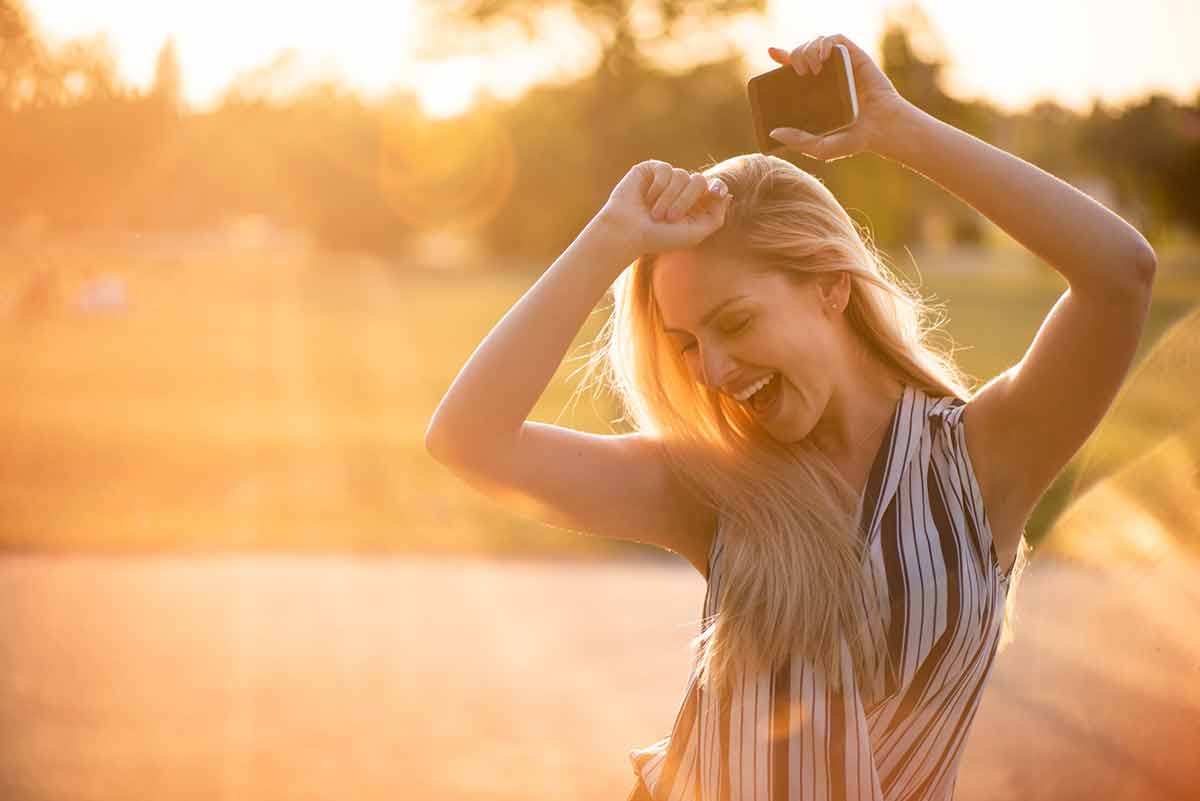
column 716, row 367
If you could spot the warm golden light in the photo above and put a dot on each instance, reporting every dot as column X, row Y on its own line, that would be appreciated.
column 444, row 173
column 448, row 89
column 1007, row 58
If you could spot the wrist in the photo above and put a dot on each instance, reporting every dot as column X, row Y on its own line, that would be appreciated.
column 900, row 130
column 606, row 240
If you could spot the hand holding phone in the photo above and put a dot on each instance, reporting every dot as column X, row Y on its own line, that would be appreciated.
column 830, row 88
column 820, row 103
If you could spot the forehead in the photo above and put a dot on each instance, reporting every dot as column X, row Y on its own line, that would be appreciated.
column 686, row 284
column 684, row 278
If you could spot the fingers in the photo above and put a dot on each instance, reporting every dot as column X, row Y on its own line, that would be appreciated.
column 661, row 172
column 696, row 188
column 830, row 147
column 679, row 179
column 718, row 208
column 680, row 193
column 815, row 54
column 710, row 210
column 674, row 192
column 810, row 56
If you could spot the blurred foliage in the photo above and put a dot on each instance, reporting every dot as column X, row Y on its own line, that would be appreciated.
column 78, row 149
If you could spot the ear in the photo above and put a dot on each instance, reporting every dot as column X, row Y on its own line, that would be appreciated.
column 833, row 288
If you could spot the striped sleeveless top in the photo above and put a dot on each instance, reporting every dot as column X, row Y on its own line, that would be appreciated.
column 898, row 734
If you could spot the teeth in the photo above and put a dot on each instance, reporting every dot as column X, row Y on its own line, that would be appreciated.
column 755, row 387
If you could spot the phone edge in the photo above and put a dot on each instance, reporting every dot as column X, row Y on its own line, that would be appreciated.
column 766, row 145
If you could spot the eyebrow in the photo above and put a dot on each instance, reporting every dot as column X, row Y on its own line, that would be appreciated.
column 710, row 314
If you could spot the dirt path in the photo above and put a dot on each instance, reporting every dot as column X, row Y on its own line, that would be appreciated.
column 306, row 677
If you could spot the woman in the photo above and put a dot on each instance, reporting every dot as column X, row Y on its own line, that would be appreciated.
column 856, row 510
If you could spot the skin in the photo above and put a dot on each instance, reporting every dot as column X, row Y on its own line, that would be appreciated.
column 834, row 392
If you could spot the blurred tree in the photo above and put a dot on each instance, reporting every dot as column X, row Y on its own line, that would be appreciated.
column 167, row 89
column 77, row 148
column 22, row 59
column 913, row 56
column 1151, row 152
column 622, row 28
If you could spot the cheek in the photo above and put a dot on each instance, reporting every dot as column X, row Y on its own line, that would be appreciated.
column 803, row 361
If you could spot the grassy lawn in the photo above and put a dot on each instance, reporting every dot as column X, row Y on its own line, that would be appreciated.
column 279, row 400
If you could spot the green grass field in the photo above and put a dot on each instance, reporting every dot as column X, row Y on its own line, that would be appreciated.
column 279, row 400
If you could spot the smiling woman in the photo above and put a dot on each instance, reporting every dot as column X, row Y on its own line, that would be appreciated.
column 816, row 613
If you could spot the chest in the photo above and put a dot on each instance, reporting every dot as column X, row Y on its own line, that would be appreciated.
column 935, row 589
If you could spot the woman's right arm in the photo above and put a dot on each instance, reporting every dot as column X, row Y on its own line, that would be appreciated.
column 617, row 486
column 482, row 412
column 655, row 207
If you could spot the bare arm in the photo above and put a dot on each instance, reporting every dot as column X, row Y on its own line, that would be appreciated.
column 616, row 486
column 486, row 405
column 1025, row 425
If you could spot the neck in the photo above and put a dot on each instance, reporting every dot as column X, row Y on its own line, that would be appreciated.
column 856, row 417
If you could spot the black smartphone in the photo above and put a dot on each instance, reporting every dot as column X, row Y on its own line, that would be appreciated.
column 820, row 104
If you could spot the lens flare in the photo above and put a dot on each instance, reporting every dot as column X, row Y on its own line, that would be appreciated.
column 445, row 173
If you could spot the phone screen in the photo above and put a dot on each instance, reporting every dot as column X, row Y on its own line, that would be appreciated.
column 818, row 104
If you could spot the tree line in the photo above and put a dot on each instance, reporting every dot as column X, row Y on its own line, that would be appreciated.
column 79, row 149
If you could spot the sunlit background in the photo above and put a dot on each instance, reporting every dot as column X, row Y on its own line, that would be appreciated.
column 1069, row 51
column 244, row 250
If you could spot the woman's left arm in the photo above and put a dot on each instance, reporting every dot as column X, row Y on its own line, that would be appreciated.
column 1025, row 425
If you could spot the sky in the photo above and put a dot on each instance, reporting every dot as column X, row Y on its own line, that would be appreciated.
column 1013, row 53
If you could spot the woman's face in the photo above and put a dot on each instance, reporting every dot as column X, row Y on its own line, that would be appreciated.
column 763, row 323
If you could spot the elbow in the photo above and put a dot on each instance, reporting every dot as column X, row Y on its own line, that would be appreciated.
column 1133, row 275
column 435, row 441
column 1146, row 265
column 1129, row 277
column 456, row 445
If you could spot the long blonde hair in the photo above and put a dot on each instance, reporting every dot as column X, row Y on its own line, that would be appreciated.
column 792, row 560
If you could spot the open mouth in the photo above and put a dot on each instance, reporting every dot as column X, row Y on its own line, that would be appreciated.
column 764, row 401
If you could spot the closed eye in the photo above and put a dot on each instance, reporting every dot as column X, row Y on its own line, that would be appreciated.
column 730, row 332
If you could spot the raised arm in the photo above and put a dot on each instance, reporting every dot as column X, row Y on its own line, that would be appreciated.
column 1025, row 424
column 493, row 394
column 612, row 485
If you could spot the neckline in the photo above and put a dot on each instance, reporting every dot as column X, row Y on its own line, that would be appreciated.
column 882, row 456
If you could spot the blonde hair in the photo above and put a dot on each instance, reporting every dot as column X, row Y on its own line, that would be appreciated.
column 782, row 592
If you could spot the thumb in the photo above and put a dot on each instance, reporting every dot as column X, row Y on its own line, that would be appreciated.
column 821, row 147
